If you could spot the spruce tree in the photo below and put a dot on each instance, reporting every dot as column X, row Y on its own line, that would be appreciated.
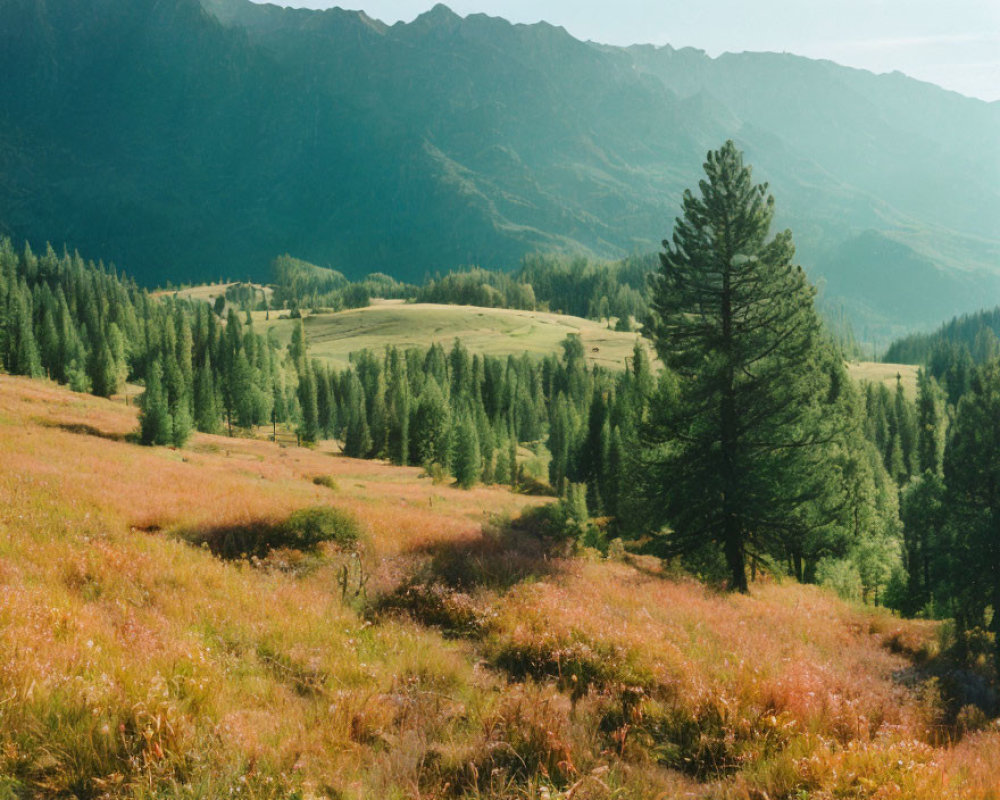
column 357, row 439
column 501, row 468
column 240, row 386
column 309, row 429
column 930, row 424
column 560, row 442
column 155, row 424
column 515, row 474
column 325, row 405
column 925, row 534
column 972, row 477
column 733, row 320
column 103, row 370
column 906, row 426
column 181, row 421
column 399, row 402
column 206, row 411
column 431, row 425
column 467, row 460
column 22, row 357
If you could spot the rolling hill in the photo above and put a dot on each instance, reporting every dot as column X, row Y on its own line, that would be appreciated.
column 334, row 336
column 190, row 140
column 492, row 331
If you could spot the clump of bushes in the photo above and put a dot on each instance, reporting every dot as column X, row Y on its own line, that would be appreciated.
column 308, row 527
column 567, row 520
column 304, row 530
column 576, row 663
column 455, row 613
column 327, row 481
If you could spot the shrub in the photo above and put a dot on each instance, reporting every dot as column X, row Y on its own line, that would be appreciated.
column 327, row 481
column 304, row 530
column 308, row 527
column 841, row 575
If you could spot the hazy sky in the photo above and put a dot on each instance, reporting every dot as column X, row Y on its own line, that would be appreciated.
column 953, row 43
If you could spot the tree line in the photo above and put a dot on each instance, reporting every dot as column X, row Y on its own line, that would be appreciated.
column 943, row 450
column 82, row 324
column 573, row 285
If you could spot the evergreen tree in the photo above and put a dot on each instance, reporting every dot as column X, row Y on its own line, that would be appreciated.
column 561, row 433
column 206, row 411
column 297, row 346
column 972, row 475
column 357, row 438
column 906, row 427
column 326, row 407
column 512, row 461
column 615, row 481
column 467, row 461
column 733, row 320
column 181, row 421
column 241, row 390
column 155, row 424
column 103, row 370
column 930, row 424
column 22, row 357
column 501, row 468
column 431, row 426
column 378, row 418
column 928, row 550
column 309, row 429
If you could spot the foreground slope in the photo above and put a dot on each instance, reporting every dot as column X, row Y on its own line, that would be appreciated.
column 135, row 665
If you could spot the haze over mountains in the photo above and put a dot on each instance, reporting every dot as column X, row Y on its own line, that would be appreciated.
column 189, row 140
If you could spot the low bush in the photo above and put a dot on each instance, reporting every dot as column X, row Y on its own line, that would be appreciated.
column 304, row 530
column 327, row 481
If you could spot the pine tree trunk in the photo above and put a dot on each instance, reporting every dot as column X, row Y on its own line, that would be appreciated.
column 732, row 524
column 735, row 557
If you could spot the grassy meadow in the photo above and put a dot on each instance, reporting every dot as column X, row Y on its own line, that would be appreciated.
column 491, row 331
column 333, row 336
column 878, row 372
column 451, row 653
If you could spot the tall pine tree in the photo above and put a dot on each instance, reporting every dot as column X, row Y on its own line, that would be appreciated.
column 733, row 320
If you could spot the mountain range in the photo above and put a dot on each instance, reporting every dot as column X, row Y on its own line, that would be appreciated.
column 188, row 140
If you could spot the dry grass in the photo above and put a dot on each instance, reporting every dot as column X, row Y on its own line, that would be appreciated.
column 135, row 665
column 491, row 331
column 877, row 372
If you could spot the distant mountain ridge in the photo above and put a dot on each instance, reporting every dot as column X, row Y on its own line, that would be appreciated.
column 188, row 140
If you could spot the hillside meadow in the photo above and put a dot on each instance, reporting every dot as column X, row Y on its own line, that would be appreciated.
column 333, row 336
column 453, row 651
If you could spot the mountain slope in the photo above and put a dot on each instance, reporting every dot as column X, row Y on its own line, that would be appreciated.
column 188, row 140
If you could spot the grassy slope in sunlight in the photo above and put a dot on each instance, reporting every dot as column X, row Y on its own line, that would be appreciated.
column 477, row 663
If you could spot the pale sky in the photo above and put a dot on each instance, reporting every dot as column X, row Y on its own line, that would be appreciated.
column 953, row 43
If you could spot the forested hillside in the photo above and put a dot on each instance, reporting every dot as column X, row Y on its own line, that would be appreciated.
column 222, row 136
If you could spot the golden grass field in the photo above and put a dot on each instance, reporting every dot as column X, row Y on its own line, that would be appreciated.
column 332, row 337
column 876, row 371
column 480, row 662
column 492, row 331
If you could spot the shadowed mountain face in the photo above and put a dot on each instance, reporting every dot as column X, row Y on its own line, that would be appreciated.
column 190, row 140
